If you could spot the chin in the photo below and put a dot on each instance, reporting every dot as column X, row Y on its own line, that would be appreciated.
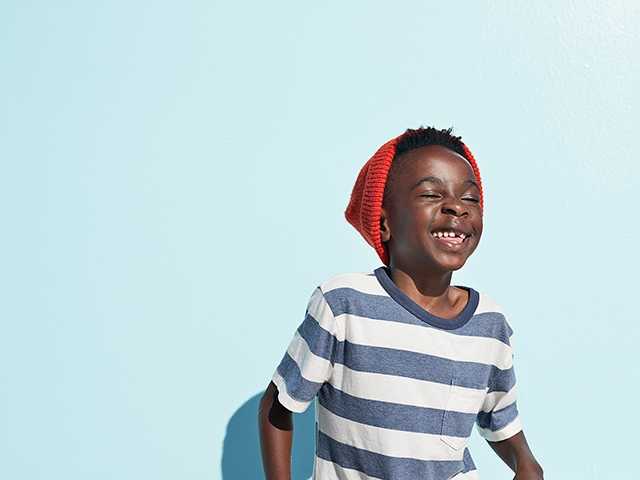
column 449, row 261
column 453, row 267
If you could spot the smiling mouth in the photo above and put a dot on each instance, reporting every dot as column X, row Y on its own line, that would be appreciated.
column 451, row 243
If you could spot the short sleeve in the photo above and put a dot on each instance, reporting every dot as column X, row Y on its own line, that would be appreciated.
column 308, row 361
column 499, row 418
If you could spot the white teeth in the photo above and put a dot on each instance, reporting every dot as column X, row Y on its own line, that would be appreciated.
column 448, row 234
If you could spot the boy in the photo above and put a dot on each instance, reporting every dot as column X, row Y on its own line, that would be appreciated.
column 403, row 363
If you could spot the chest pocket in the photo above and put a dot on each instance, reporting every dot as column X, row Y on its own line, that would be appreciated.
column 459, row 416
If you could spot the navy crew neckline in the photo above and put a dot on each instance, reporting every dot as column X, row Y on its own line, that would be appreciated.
column 384, row 277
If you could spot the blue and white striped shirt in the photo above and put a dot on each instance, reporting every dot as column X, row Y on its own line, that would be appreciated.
column 398, row 389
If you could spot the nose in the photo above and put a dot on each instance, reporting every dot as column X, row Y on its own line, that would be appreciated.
column 454, row 206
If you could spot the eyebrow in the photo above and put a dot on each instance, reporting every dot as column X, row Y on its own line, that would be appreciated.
column 439, row 180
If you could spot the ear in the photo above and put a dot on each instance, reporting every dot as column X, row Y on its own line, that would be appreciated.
column 385, row 231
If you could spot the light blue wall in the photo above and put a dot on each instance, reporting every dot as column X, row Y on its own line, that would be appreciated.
column 172, row 187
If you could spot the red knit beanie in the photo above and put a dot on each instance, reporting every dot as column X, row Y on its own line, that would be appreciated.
column 365, row 205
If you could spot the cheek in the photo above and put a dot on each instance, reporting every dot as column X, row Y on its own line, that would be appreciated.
column 416, row 223
column 411, row 221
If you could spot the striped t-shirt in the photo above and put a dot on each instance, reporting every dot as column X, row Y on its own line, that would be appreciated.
column 398, row 389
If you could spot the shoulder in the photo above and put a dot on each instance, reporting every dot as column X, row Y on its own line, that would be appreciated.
column 350, row 292
column 487, row 303
column 494, row 313
column 335, row 296
column 365, row 282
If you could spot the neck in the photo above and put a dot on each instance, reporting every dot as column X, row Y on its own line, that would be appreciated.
column 430, row 289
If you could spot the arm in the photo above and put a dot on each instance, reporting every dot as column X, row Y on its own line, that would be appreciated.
column 304, row 368
column 515, row 452
column 499, row 420
column 276, row 432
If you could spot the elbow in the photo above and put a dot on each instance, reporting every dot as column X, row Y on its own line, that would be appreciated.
column 533, row 470
column 539, row 471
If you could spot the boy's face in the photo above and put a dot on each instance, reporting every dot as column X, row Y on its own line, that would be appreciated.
column 414, row 209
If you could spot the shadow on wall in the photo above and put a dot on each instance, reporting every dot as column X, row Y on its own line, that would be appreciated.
column 241, row 457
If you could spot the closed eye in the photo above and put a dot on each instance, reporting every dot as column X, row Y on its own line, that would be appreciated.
column 468, row 198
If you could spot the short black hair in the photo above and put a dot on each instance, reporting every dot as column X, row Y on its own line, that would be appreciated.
column 421, row 137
